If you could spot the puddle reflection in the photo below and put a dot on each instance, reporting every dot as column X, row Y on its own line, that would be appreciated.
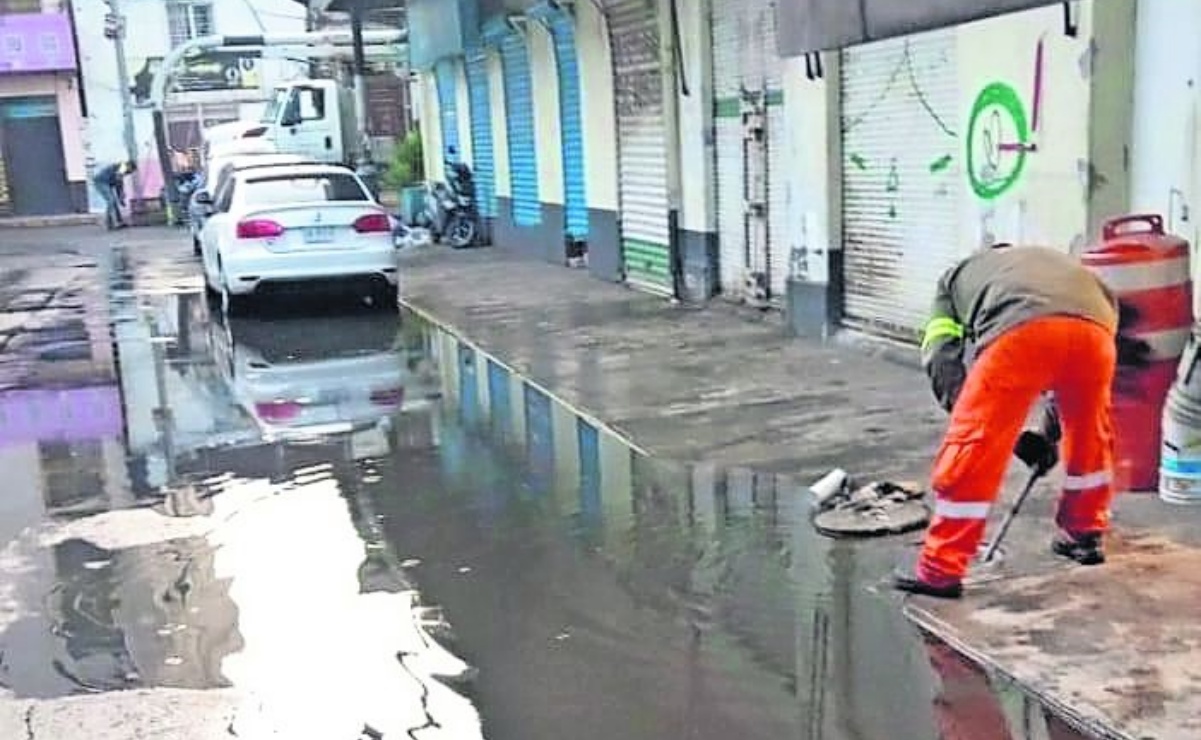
column 697, row 599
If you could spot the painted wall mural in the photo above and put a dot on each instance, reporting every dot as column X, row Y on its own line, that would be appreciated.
column 1001, row 133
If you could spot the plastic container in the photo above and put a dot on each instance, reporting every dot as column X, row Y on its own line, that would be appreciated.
column 1149, row 272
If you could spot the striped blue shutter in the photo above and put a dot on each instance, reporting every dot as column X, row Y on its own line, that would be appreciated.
column 482, row 153
column 562, row 28
column 519, row 114
column 448, row 102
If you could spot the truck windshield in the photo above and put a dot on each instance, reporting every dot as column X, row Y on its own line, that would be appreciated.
column 275, row 106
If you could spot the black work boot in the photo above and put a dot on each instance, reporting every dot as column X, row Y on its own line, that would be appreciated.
column 1083, row 548
column 906, row 578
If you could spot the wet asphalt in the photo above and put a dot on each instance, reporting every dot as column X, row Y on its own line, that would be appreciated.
column 305, row 523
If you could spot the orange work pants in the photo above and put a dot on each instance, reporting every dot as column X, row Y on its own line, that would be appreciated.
column 1075, row 359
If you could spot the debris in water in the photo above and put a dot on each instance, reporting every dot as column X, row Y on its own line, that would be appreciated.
column 411, row 563
column 465, row 569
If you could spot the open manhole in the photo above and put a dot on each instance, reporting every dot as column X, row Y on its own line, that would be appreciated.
column 877, row 509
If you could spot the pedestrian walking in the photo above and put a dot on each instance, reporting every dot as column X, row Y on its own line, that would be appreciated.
column 110, row 181
column 1035, row 322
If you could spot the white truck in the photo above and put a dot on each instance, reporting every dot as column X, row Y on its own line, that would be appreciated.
column 312, row 118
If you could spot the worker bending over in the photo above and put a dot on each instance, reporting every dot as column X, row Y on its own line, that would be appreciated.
column 1035, row 321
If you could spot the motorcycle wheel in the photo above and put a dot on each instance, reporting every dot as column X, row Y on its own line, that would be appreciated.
column 461, row 232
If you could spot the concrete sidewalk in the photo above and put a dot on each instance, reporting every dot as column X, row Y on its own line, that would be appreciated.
column 1111, row 649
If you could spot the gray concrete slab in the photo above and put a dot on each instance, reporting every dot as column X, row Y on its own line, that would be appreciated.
column 1110, row 649
column 719, row 384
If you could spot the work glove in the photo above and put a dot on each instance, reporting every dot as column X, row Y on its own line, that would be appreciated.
column 947, row 375
column 1038, row 452
column 1133, row 353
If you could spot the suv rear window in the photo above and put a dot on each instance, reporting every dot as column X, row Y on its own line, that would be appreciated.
column 323, row 187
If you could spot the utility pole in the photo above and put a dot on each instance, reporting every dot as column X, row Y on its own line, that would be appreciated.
column 360, row 86
column 114, row 28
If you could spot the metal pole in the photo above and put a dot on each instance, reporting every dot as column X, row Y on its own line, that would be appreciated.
column 131, row 139
column 360, row 87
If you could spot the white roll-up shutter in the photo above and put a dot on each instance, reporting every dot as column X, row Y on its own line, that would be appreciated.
column 901, row 178
column 747, row 76
column 642, row 143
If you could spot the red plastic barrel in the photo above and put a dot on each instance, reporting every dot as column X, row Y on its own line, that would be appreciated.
column 1149, row 272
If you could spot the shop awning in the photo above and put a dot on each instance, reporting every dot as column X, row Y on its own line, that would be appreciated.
column 805, row 26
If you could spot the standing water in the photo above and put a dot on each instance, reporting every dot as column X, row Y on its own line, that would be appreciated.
column 342, row 526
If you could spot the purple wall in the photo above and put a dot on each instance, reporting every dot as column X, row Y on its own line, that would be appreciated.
column 36, row 42
column 67, row 415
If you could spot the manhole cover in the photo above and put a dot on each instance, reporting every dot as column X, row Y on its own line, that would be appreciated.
column 875, row 510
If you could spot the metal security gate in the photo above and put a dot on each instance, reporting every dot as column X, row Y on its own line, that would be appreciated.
column 641, row 143
column 562, row 29
column 448, row 105
column 749, row 118
column 519, row 117
column 901, row 178
column 482, row 153
column 33, row 161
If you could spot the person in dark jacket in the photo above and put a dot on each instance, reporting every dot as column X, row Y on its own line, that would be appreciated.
column 1037, row 322
column 110, row 181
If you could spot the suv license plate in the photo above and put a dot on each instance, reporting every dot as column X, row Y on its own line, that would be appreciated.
column 318, row 234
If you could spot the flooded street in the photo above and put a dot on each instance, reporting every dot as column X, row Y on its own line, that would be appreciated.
column 323, row 521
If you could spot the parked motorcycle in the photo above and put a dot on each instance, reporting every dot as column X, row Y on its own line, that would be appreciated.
column 450, row 211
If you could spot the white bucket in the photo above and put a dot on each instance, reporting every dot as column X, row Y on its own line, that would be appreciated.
column 1180, row 455
column 828, row 487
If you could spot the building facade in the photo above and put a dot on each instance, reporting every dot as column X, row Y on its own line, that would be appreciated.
column 834, row 187
column 214, row 88
column 42, row 169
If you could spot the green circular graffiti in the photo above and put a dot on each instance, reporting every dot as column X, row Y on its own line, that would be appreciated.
column 994, row 166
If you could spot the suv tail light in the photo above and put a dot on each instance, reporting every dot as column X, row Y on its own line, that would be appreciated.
column 373, row 223
column 259, row 228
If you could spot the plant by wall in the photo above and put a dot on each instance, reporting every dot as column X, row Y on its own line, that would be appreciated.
column 407, row 167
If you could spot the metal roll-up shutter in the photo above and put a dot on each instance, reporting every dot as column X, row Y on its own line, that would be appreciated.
column 575, row 195
column 901, row 178
column 448, row 103
column 519, row 116
column 641, row 144
column 482, row 153
column 751, row 179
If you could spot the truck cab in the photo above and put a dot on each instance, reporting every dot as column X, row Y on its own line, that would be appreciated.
column 312, row 118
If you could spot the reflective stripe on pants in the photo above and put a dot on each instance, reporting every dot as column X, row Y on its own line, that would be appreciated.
column 1075, row 359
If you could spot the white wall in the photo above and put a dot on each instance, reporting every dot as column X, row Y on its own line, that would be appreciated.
column 814, row 208
column 544, row 76
column 148, row 37
column 1163, row 155
column 597, row 107
column 697, row 143
column 500, row 134
column 431, row 127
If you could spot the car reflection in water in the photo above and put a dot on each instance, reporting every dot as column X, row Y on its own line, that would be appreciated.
column 315, row 376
